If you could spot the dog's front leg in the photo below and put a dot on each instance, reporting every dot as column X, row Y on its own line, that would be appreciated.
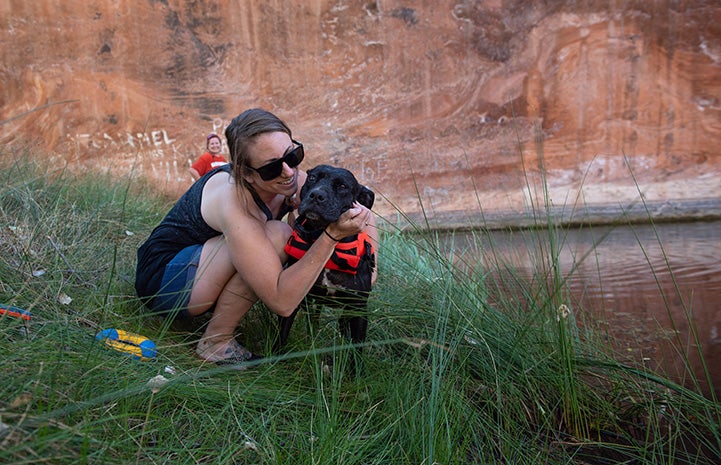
column 284, row 325
column 354, row 328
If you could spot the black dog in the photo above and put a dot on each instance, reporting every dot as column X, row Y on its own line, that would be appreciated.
column 346, row 280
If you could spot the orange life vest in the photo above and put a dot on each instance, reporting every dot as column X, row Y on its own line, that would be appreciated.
column 346, row 256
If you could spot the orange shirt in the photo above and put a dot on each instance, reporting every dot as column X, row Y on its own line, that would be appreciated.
column 207, row 162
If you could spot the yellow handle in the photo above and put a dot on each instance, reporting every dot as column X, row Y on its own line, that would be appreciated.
column 130, row 338
column 124, row 347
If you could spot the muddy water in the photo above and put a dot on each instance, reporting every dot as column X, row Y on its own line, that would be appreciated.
column 654, row 292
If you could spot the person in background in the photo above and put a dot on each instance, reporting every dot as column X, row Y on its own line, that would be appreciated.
column 221, row 246
column 210, row 159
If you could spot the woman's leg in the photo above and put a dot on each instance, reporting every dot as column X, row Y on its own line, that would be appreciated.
column 217, row 282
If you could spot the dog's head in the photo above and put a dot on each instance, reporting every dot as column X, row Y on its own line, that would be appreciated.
column 330, row 191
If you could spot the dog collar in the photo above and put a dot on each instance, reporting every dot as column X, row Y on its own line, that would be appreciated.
column 346, row 256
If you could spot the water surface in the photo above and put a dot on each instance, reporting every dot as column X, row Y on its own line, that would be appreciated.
column 654, row 291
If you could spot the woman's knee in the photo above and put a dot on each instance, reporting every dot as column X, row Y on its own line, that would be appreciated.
column 278, row 233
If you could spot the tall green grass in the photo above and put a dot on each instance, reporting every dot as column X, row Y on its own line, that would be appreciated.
column 454, row 372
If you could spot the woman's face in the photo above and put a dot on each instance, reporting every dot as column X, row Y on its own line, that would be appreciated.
column 269, row 147
column 214, row 145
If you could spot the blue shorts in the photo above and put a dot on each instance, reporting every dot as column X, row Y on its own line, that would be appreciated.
column 174, row 294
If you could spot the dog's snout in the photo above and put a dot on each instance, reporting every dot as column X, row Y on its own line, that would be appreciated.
column 317, row 196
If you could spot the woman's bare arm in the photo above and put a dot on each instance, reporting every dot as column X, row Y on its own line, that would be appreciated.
column 256, row 260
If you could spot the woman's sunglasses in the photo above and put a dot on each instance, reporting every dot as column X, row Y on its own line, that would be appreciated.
column 273, row 169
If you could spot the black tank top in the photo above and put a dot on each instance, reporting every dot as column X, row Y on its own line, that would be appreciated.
column 183, row 226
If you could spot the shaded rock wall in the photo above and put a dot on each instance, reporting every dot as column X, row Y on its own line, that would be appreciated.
column 445, row 107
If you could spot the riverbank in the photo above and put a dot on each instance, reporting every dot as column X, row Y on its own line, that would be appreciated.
column 572, row 216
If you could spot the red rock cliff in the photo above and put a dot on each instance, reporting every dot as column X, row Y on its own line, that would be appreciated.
column 448, row 104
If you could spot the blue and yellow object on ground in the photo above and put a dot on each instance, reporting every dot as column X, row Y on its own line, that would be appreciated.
column 135, row 345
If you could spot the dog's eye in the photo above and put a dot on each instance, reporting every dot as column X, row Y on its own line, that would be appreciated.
column 310, row 178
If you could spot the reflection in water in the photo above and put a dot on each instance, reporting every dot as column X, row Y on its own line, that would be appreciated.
column 657, row 289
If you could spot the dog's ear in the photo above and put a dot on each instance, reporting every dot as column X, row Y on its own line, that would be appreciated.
column 365, row 197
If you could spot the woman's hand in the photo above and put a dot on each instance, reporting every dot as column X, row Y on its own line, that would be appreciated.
column 351, row 222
